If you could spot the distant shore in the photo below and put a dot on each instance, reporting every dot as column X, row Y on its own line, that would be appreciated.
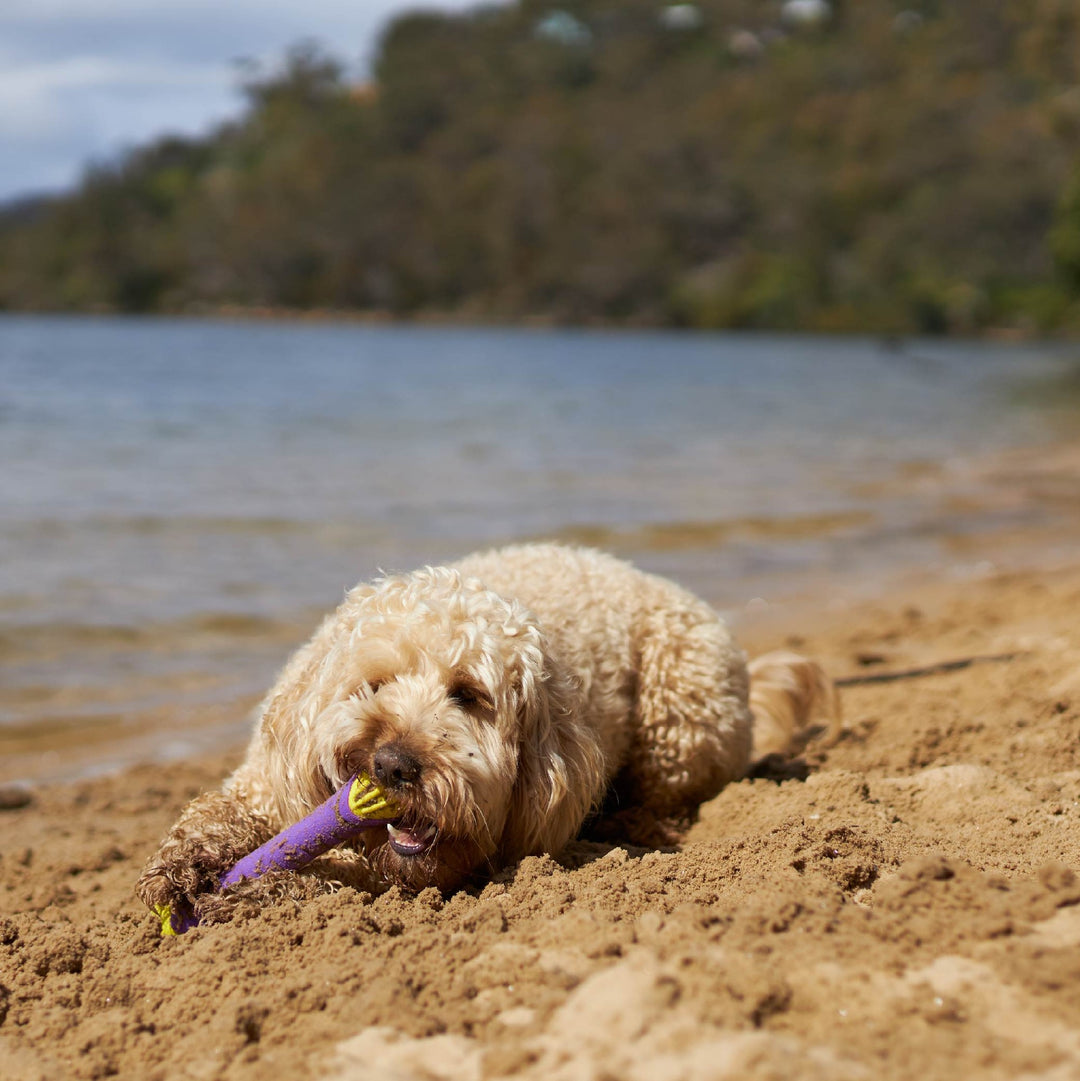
column 926, row 200
column 471, row 317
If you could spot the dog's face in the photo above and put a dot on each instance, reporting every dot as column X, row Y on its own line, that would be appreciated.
column 431, row 710
column 442, row 691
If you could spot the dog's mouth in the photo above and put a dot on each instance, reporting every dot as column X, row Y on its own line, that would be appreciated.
column 415, row 851
column 412, row 840
column 407, row 835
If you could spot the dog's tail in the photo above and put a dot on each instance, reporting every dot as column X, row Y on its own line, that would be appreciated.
column 792, row 700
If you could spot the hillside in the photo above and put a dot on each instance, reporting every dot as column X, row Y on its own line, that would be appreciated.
column 890, row 167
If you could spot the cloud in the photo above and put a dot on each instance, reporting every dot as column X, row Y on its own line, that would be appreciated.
column 82, row 79
column 38, row 98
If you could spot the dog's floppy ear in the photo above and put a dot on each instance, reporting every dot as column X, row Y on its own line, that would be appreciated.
column 559, row 770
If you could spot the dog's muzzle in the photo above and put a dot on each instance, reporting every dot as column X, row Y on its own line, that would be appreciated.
column 397, row 770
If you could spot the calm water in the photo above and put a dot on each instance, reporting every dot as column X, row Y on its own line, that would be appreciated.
column 221, row 478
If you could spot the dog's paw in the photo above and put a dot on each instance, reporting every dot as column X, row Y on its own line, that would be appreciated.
column 251, row 896
column 211, row 835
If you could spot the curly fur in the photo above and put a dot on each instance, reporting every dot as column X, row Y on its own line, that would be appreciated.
column 522, row 684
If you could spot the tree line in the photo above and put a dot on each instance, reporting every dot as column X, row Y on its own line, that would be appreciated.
column 895, row 167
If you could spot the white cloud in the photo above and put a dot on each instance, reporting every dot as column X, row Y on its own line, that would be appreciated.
column 348, row 11
column 33, row 95
column 79, row 72
column 57, row 117
column 81, row 79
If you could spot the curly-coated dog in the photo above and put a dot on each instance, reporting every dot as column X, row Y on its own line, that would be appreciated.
column 499, row 701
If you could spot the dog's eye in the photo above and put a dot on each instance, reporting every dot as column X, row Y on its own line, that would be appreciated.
column 469, row 697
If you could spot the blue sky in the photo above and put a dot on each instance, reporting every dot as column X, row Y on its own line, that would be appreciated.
column 82, row 79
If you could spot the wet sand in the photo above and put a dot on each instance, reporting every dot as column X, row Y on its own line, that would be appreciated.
column 903, row 905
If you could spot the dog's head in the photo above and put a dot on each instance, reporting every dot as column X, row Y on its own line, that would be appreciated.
column 444, row 692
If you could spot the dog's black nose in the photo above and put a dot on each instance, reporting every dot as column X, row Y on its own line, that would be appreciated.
column 394, row 766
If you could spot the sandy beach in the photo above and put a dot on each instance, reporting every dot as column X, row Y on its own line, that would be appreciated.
column 900, row 904
column 903, row 904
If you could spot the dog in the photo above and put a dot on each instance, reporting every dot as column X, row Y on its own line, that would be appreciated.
column 499, row 701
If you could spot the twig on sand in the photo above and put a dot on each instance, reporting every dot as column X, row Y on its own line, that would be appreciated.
column 926, row 669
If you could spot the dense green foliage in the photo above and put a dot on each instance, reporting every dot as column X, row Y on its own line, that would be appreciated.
column 898, row 167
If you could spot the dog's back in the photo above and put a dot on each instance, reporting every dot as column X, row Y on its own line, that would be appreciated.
column 622, row 630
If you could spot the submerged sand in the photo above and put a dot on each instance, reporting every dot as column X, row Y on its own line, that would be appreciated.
column 905, row 906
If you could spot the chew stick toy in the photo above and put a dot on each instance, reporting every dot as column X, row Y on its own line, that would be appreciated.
column 357, row 805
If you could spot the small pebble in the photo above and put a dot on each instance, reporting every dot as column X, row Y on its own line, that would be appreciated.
column 12, row 797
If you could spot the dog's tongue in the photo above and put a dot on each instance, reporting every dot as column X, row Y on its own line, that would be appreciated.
column 409, row 842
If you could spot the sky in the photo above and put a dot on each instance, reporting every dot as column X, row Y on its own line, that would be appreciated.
column 80, row 80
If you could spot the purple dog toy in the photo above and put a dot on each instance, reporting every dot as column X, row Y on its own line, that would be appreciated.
column 358, row 804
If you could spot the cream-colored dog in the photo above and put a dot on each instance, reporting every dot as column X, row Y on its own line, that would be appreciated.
column 498, row 700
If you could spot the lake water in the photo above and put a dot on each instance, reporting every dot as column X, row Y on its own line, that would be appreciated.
column 179, row 499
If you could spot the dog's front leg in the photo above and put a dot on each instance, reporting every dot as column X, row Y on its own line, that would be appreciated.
column 212, row 833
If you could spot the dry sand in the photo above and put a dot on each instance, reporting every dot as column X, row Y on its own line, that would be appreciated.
column 905, row 909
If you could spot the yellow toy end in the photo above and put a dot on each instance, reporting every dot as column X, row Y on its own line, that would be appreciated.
column 367, row 800
column 164, row 913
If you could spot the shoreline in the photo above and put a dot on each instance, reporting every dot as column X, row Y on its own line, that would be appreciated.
column 80, row 700
column 540, row 321
column 909, row 910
